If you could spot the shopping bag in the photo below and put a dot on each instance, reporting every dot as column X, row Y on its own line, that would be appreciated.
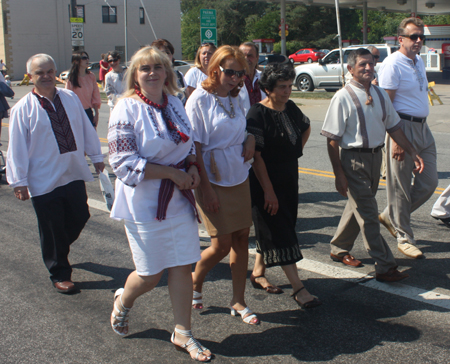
column 106, row 188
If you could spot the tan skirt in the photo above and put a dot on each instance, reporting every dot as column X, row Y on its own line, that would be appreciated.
column 235, row 211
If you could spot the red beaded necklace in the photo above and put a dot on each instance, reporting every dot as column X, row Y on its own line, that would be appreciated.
column 169, row 124
column 151, row 103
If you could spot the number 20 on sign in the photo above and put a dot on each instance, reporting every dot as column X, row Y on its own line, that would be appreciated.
column 77, row 34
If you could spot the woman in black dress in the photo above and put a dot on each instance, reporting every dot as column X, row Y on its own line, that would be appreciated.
column 281, row 131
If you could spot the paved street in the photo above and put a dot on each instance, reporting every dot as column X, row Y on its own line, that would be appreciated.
column 361, row 321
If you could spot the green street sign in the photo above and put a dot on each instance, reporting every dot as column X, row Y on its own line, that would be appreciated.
column 208, row 35
column 208, row 18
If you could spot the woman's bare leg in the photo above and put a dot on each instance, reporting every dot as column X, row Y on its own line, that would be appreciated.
column 135, row 286
column 219, row 249
column 291, row 272
column 239, row 266
column 180, row 290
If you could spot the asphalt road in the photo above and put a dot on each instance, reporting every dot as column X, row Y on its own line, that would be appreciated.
column 361, row 321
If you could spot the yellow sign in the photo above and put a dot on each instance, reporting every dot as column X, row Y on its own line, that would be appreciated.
column 286, row 32
column 76, row 20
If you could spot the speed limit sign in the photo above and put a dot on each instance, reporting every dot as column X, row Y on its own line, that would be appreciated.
column 77, row 34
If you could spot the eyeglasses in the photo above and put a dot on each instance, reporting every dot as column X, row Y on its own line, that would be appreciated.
column 230, row 73
column 376, row 57
column 414, row 37
column 113, row 60
column 84, row 58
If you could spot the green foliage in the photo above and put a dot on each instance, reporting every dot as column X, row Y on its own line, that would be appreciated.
column 436, row 19
column 309, row 26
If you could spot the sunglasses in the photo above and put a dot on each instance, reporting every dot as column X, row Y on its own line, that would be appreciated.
column 376, row 57
column 230, row 73
column 414, row 37
column 84, row 58
column 113, row 60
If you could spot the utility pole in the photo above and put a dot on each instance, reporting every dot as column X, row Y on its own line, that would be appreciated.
column 126, row 25
column 73, row 14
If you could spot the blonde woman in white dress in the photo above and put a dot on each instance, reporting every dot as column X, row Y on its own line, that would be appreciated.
column 153, row 155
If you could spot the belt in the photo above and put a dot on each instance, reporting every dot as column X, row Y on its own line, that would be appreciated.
column 367, row 150
column 412, row 118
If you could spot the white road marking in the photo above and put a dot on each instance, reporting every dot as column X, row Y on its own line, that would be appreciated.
column 398, row 289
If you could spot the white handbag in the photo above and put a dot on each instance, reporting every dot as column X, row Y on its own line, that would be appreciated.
column 106, row 188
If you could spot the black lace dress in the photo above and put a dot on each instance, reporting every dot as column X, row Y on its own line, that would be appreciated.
column 278, row 138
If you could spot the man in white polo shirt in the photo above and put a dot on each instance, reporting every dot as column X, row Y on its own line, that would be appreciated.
column 403, row 76
column 355, row 126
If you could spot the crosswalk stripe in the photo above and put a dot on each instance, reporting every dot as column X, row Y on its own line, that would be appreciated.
column 430, row 297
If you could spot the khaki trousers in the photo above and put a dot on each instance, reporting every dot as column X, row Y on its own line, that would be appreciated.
column 402, row 196
column 361, row 212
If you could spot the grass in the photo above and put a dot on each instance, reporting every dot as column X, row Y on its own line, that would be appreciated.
column 312, row 95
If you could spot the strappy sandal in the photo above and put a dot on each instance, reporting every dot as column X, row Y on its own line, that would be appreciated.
column 122, row 316
column 310, row 304
column 191, row 344
column 197, row 301
column 242, row 313
column 269, row 289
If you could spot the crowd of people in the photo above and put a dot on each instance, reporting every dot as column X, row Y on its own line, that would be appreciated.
column 220, row 146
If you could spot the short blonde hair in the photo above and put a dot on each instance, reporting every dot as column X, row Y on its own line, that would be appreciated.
column 222, row 54
column 197, row 62
column 150, row 55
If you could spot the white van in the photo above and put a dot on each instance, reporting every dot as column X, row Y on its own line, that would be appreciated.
column 327, row 73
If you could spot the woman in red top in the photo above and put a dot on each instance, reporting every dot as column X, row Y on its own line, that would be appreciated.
column 104, row 69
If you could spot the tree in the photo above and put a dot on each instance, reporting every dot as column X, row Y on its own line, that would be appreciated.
column 309, row 26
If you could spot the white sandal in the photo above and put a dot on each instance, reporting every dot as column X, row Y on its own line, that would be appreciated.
column 122, row 316
column 191, row 344
column 197, row 301
column 244, row 312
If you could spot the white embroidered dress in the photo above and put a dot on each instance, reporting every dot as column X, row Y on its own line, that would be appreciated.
column 138, row 135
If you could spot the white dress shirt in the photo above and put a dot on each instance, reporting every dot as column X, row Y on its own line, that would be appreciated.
column 34, row 158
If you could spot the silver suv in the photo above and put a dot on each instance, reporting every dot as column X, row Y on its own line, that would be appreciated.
column 326, row 74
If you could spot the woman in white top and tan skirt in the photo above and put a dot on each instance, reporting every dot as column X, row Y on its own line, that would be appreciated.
column 153, row 155
column 223, row 151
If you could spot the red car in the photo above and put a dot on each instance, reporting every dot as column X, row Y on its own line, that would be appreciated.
column 309, row 55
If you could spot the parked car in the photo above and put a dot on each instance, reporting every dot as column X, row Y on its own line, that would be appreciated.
column 181, row 66
column 326, row 51
column 64, row 74
column 327, row 72
column 94, row 67
column 265, row 59
column 309, row 55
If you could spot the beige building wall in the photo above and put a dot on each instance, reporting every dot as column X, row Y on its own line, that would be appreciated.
column 43, row 27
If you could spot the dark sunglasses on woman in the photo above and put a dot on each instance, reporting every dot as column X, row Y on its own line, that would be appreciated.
column 230, row 73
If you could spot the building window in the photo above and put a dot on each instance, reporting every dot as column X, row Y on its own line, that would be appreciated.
column 109, row 14
column 79, row 13
column 141, row 16
column 5, row 21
